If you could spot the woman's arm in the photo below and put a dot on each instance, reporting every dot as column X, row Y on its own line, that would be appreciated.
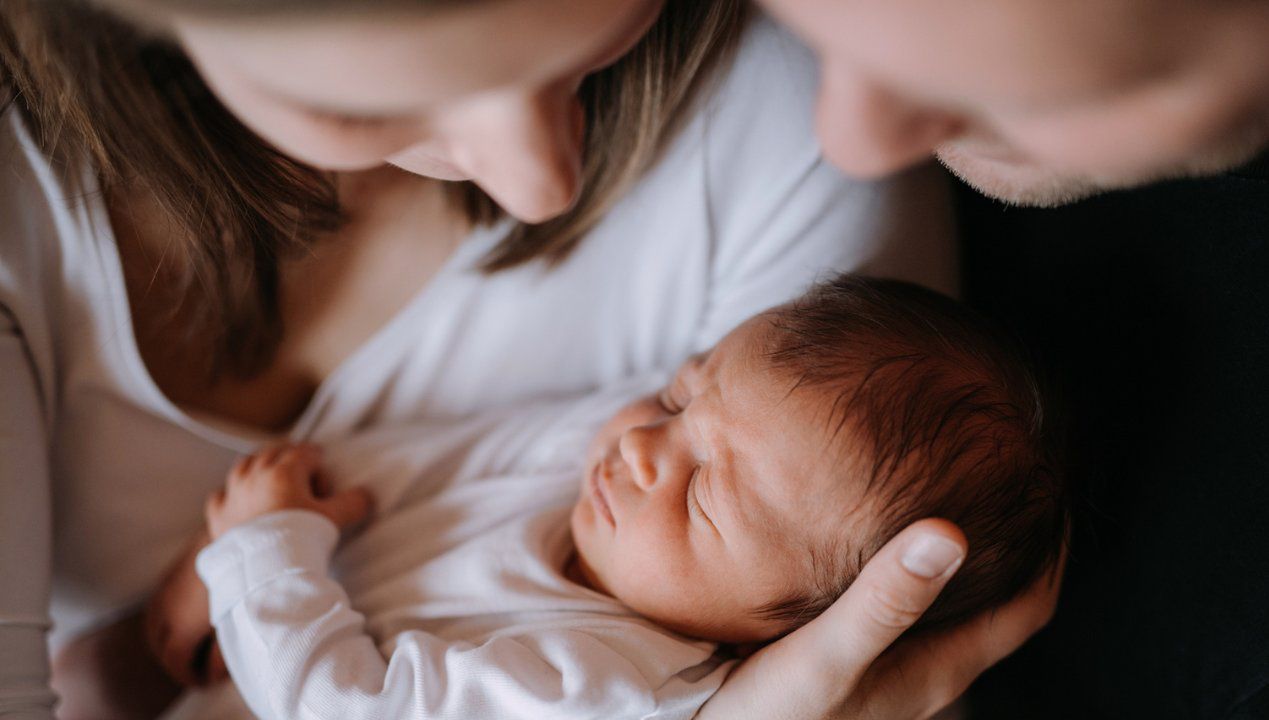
column 846, row 664
column 25, row 533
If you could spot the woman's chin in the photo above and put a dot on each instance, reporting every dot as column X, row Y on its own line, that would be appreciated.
column 428, row 166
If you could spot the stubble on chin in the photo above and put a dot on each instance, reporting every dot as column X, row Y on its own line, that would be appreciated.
column 1022, row 186
column 1026, row 185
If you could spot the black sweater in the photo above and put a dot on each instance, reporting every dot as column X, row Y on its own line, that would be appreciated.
column 1151, row 310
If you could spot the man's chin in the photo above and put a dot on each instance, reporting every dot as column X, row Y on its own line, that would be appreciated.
column 1020, row 184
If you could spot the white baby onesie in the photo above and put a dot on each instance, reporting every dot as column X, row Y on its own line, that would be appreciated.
column 452, row 603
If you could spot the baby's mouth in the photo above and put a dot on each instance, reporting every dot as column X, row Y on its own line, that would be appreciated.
column 598, row 493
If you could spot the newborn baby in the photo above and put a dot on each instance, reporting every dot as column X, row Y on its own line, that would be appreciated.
column 730, row 506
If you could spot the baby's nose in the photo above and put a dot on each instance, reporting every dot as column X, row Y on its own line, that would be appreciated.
column 637, row 450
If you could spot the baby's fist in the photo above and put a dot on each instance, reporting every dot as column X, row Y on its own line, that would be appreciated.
column 281, row 478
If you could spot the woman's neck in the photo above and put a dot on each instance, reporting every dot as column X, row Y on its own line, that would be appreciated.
column 400, row 232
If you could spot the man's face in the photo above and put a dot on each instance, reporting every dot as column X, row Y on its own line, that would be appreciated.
column 1040, row 101
column 700, row 503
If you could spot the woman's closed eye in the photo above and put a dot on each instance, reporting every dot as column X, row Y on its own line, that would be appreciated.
column 344, row 121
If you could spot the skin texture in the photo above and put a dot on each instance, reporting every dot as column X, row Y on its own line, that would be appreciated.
column 424, row 93
column 1038, row 102
column 694, row 514
column 446, row 107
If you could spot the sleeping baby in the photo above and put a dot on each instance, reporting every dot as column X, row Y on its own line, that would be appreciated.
column 524, row 566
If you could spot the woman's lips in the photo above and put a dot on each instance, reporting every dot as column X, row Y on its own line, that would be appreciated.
column 598, row 494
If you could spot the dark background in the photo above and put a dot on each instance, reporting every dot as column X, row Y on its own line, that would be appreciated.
column 1149, row 309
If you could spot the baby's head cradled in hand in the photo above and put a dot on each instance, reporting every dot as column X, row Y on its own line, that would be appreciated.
column 744, row 498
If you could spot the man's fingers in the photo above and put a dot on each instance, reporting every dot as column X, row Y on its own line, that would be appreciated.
column 894, row 589
column 997, row 633
column 347, row 508
column 938, row 668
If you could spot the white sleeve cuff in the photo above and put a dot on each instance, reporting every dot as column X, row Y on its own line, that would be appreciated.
column 256, row 553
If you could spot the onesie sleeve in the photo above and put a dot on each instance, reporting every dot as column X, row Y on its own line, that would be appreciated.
column 783, row 217
column 25, row 533
column 296, row 648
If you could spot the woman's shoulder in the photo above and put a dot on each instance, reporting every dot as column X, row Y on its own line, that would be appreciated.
column 24, row 176
column 47, row 208
column 51, row 237
column 22, row 202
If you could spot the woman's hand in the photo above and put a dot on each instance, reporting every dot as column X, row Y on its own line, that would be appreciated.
column 282, row 478
column 846, row 664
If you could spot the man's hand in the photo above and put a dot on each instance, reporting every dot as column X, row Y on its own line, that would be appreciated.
column 846, row 665
column 281, row 478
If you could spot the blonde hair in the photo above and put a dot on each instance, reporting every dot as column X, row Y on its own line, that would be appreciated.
column 101, row 89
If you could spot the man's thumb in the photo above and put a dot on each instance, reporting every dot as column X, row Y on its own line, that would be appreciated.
column 896, row 587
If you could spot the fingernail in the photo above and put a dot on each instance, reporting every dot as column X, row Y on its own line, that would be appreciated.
column 931, row 556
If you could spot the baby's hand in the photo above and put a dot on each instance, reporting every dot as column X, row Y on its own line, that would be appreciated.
column 281, row 478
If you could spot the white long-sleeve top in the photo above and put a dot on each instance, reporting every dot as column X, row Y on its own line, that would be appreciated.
column 102, row 477
column 453, row 602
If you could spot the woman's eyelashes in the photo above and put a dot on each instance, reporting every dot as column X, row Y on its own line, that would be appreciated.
column 344, row 121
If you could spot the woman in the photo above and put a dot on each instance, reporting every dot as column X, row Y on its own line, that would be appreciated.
column 208, row 243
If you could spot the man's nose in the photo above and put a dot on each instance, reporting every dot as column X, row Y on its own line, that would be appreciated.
column 525, row 150
column 868, row 130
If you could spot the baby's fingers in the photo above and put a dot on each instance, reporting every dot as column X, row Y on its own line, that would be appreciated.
column 302, row 455
column 346, row 508
column 298, row 464
column 215, row 502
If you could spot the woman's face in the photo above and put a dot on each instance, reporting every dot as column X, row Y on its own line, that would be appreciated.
column 486, row 93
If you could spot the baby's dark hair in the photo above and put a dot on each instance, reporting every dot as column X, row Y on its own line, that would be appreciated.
column 944, row 419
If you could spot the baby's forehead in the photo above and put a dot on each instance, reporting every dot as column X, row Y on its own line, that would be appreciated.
column 812, row 472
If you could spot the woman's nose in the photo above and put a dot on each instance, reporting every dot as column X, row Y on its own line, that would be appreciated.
column 525, row 150
column 867, row 130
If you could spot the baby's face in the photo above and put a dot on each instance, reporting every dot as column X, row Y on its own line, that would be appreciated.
column 700, row 504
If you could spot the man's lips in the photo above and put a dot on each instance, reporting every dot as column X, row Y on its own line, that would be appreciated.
column 598, row 494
